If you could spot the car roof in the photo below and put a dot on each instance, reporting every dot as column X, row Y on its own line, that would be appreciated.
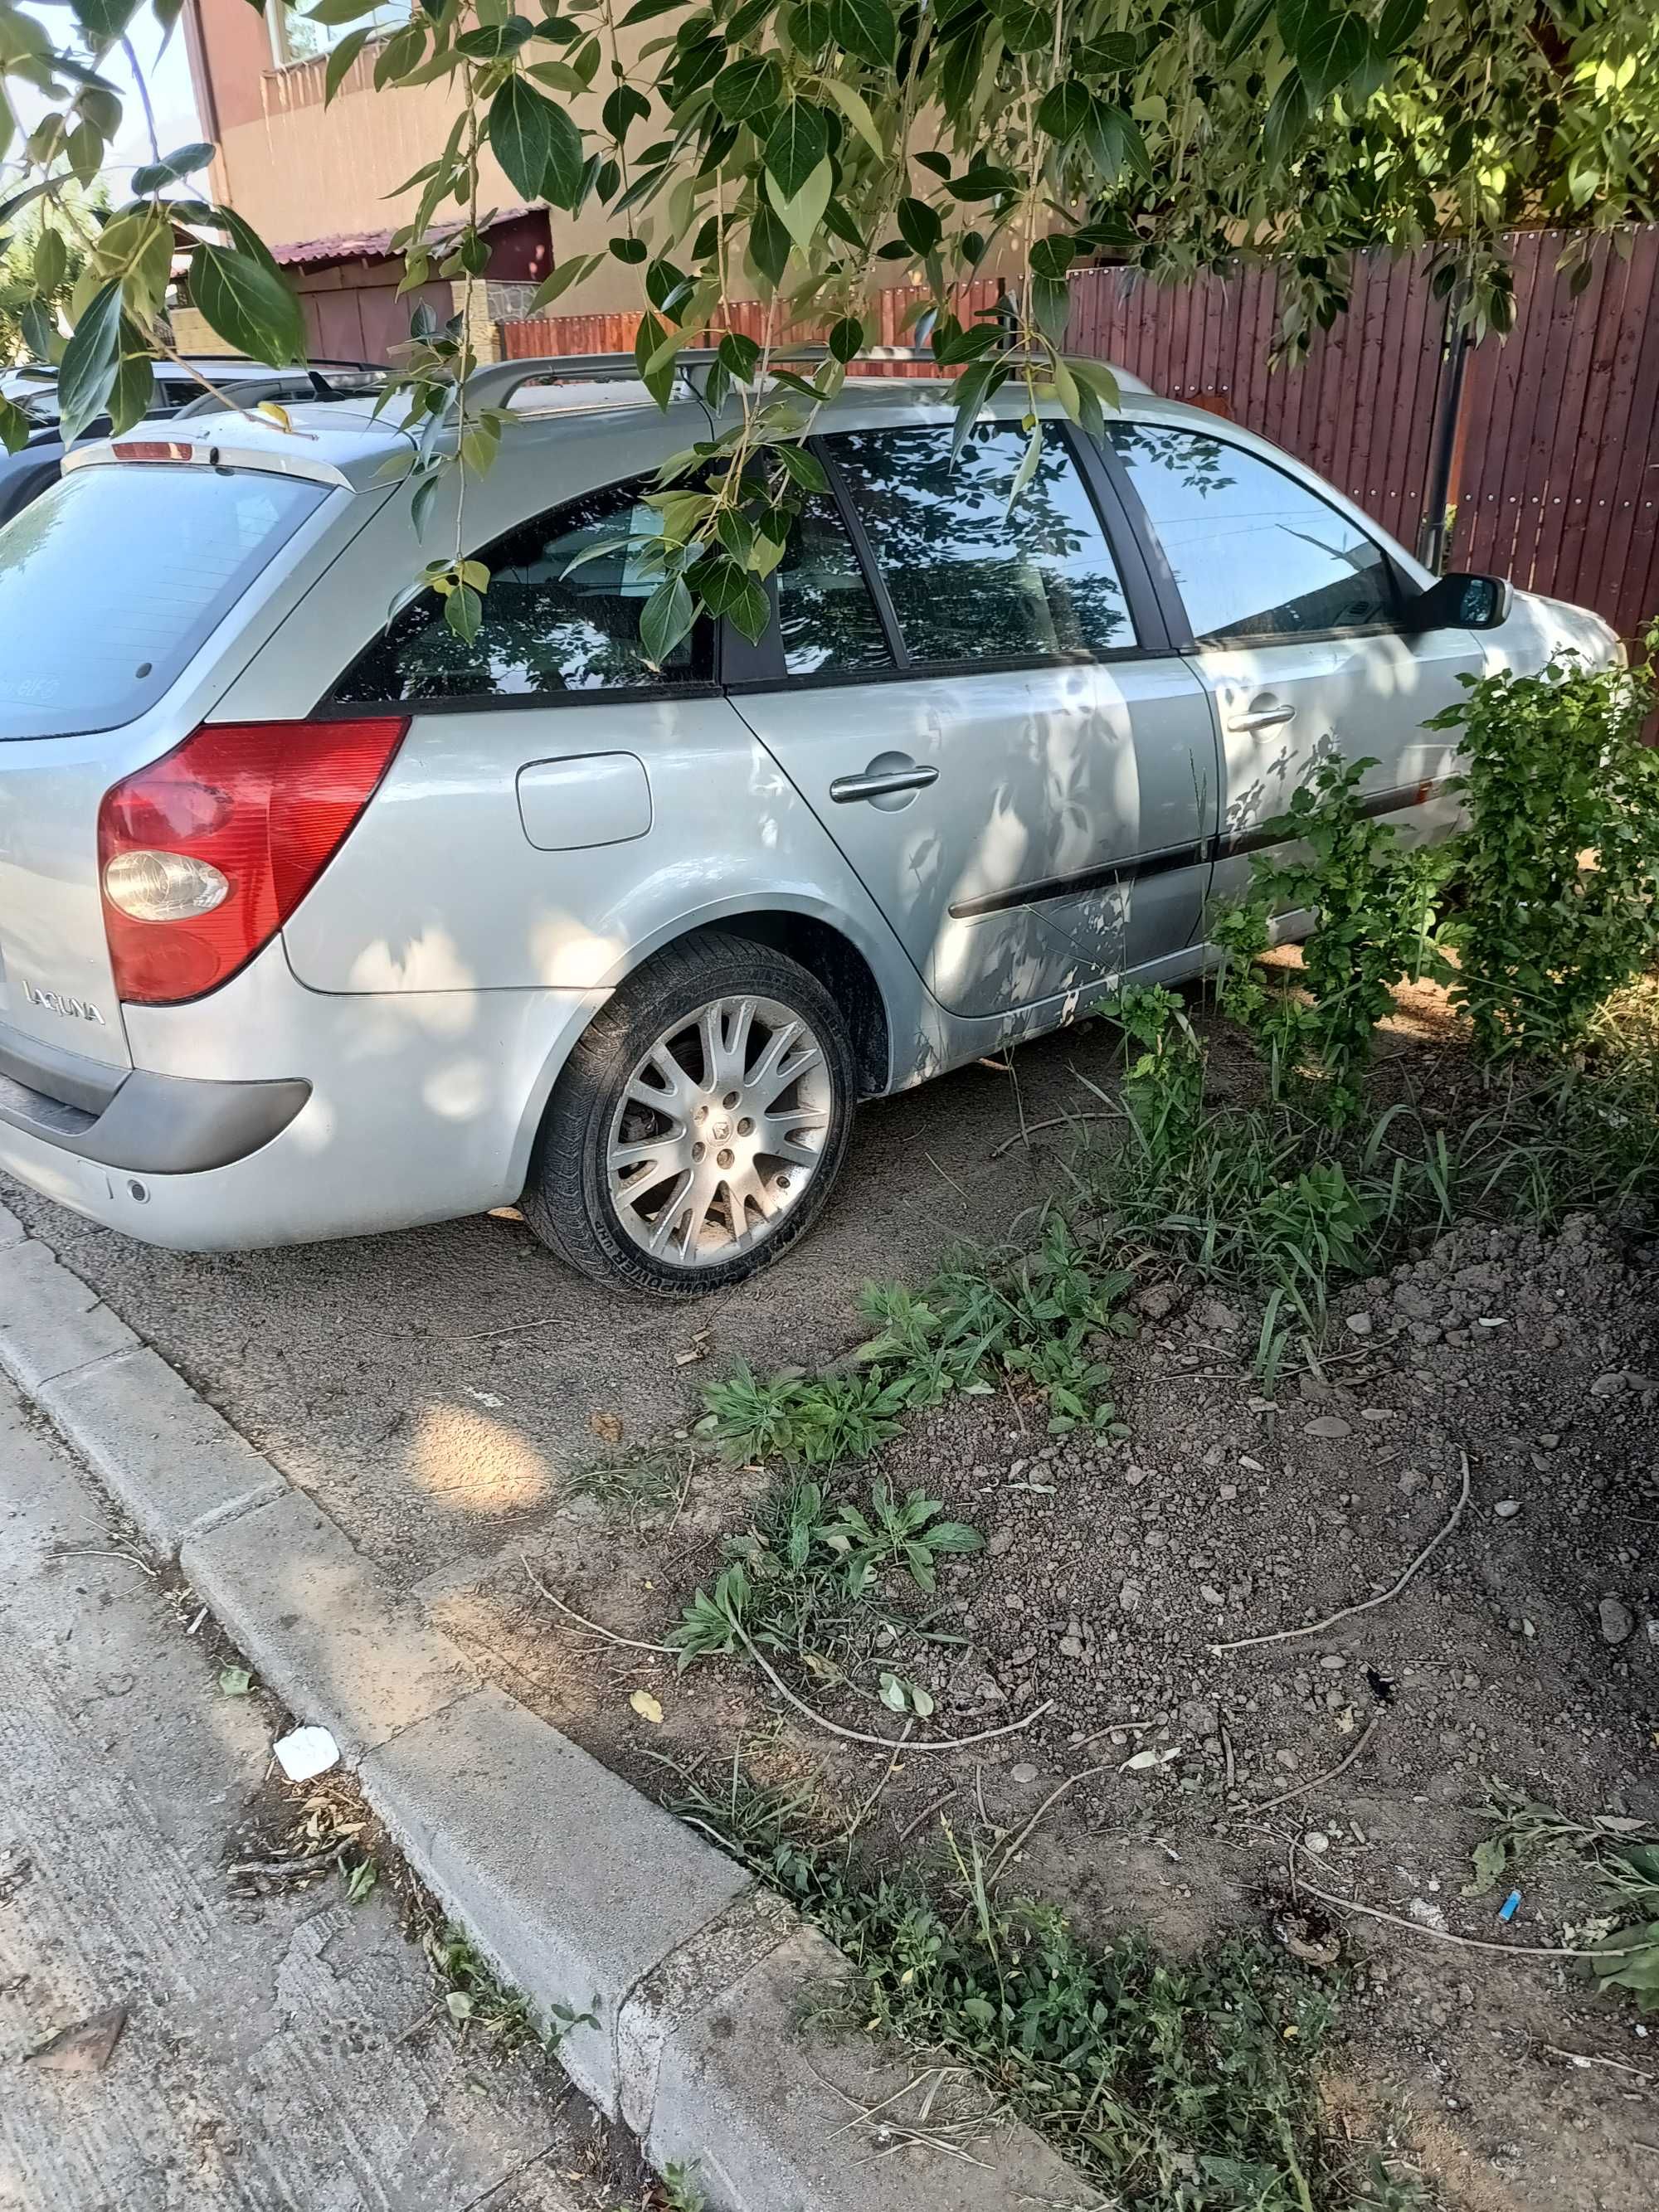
column 345, row 441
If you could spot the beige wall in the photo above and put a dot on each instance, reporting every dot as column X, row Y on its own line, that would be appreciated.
column 299, row 171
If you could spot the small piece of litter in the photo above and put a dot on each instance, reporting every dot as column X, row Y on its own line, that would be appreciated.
column 1024, row 1772
column 647, row 1707
column 1316, row 1842
column 1507, row 1508
column 1493, row 1320
column 86, row 2048
column 1510, row 1907
column 484, row 1397
column 305, row 1753
column 200, row 1616
column 505, row 1213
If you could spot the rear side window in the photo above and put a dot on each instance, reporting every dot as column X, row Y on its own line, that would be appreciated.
column 971, row 577
column 110, row 582
column 548, row 629
column 826, row 615
column 1257, row 554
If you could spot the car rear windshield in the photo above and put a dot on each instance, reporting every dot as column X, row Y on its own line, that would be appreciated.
column 110, row 582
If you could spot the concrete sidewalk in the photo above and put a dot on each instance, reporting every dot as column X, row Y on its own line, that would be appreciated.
column 267, row 2063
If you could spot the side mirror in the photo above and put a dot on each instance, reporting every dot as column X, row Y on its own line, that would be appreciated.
column 1461, row 601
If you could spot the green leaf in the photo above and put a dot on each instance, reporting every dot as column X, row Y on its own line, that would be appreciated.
column 1488, row 1859
column 520, row 133
column 490, row 42
column 665, row 619
column 90, row 361
column 51, row 261
column 739, row 353
column 800, row 140
column 563, row 183
column 1064, row 110
column 245, row 238
column 1397, row 23
column 1051, row 304
column 568, row 273
column 622, row 108
column 134, row 389
column 801, row 467
column 1286, row 121
column 752, row 86
column 14, row 426
column 105, row 20
column 855, row 107
column 846, row 339
column 249, row 306
column 1328, row 44
column 464, row 612
column 919, row 225
column 768, row 244
column 155, row 175
column 235, row 1682
column 803, row 215
column 340, row 60
column 868, row 29
column 1115, row 143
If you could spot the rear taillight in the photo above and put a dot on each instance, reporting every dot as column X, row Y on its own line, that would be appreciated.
column 204, row 854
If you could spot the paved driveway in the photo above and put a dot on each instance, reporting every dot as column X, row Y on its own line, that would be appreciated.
column 432, row 1389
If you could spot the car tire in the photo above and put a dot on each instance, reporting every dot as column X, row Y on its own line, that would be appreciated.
column 673, row 1198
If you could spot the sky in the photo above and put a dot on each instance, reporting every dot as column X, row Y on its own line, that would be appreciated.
column 167, row 73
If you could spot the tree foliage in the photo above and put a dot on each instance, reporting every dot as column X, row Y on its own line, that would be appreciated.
column 797, row 151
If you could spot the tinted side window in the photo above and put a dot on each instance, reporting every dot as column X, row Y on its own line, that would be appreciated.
column 971, row 579
column 825, row 612
column 1256, row 553
column 545, row 632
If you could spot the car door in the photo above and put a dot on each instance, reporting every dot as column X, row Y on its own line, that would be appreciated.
column 1295, row 617
column 979, row 703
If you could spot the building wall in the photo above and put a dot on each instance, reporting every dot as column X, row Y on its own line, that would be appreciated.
column 299, row 172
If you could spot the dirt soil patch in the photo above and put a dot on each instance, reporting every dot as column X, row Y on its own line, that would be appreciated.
column 1524, row 1650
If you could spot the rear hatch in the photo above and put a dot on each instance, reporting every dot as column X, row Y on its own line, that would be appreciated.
column 109, row 584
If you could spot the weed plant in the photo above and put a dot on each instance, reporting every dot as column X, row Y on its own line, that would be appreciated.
column 1176, row 2086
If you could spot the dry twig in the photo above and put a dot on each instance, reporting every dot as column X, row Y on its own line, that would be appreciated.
column 881, row 1743
column 1445, row 1934
column 593, row 1627
column 1319, row 1780
column 1366, row 1605
column 1017, row 1842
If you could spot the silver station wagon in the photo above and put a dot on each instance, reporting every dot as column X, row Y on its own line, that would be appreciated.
column 315, row 922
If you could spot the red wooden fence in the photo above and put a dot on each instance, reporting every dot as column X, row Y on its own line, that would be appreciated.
column 615, row 333
column 1556, row 479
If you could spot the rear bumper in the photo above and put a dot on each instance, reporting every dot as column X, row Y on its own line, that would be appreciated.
column 414, row 1108
column 127, row 1118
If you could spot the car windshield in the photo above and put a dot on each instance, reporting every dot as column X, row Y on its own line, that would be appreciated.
column 38, row 401
column 110, row 582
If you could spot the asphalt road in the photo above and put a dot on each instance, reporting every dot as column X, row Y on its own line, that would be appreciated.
column 433, row 1388
column 266, row 2064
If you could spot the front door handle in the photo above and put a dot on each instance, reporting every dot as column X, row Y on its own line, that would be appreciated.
column 1263, row 713
column 893, row 777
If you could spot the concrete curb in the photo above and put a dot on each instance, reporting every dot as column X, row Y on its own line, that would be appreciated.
column 688, row 1982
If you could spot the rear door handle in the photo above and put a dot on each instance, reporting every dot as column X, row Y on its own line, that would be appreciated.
column 1261, row 713
column 883, row 780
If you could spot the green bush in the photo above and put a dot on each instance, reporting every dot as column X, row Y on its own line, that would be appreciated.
column 1373, row 907
column 1558, row 869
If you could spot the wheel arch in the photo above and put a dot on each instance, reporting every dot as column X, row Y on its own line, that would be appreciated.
column 867, row 981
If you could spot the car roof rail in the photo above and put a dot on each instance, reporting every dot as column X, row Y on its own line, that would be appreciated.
column 492, row 384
